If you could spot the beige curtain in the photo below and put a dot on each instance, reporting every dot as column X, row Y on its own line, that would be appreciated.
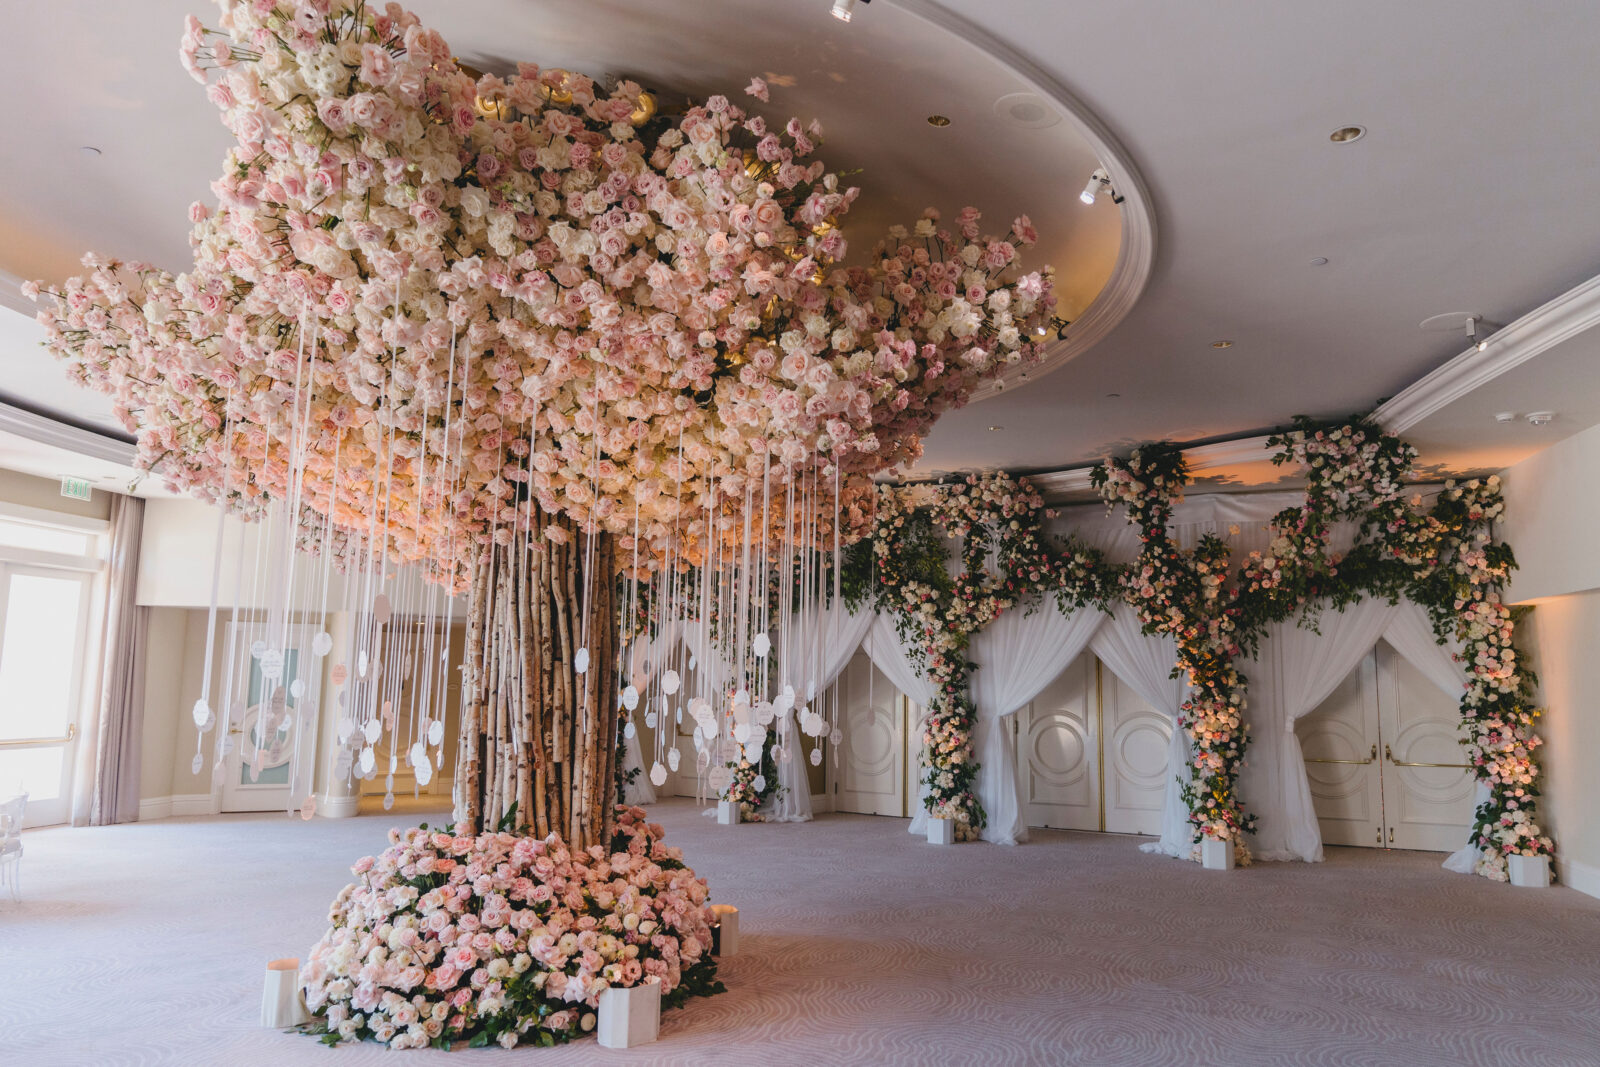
column 109, row 791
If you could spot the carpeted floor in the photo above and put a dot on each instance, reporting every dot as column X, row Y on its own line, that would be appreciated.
column 145, row 944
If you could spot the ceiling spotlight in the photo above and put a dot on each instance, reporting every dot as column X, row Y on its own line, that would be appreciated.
column 1505, row 416
column 997, row 427
column 1221, row 344
column 939, row 121
column 1099, row 182
column 1346, row 134
column 1480, row 343
column 845, row 10
column 90, row 150
column 1541, row 418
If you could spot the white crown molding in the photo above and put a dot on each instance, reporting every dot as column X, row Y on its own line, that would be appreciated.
column 1571, row 313
column 1137, row 254
column 47, row 431
column 1202, row 458
column 11, row 295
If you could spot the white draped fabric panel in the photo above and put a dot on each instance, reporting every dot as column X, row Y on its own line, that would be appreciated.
column 1017, row 656
column 646, row 657
column 1144, row 662
column 1411, row 634
column 883, row 647
column 1295, row 670
column 813, row 654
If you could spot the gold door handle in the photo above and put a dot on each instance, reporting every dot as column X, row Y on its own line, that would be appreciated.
column 1354, row 762
column 1388, row 755
column 18, row 742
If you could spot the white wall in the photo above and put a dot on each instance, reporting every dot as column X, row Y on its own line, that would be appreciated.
column 34, row 492
column 1563, row 636
column 1552, row 512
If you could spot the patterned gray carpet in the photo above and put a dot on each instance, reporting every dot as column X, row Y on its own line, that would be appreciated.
column 145, row 945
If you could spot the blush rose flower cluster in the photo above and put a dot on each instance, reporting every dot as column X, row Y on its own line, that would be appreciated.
column 440, row 297
column 449, row 937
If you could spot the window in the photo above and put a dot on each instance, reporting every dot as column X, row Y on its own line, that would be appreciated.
column 47, row 575
column 67, row 542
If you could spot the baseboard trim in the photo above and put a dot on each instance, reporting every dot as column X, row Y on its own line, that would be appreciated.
column 181, row 804
column 154, row 808
column 343, row 807
column 1579, row 876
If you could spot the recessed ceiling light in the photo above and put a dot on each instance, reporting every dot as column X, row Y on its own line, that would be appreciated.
column 997, row 427
column 1112, row 396
column 1505, row 416
column 1541, row 418
column 1221, row 344
column 1347, row 134
column 938, row 120
column 90, row 150
column 1320, row 261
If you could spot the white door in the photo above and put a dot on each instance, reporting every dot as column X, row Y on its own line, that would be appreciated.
column 268, row 722
column 870, row 777
column 1136, row 742
column 1428, row 784
column 1340, row 742
column 1059, row 751
column 1385, row 766
column 44, row 639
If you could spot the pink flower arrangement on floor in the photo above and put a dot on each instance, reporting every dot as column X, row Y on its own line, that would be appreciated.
column 504, row 938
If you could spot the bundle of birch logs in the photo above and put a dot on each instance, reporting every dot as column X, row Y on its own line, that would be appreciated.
column 538, row 725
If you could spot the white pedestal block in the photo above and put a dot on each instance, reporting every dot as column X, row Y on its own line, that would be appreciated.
column 1529, row 872
column 282, row 1006
column 1216, row 854
column 941, row 831
column 728, row 929
column 727, row 813
column 629, row 1017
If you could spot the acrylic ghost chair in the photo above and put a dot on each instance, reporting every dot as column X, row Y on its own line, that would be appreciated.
column 11, row 813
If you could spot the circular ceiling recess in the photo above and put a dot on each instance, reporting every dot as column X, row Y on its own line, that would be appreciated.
column 1027, row 111
column 1017, row 141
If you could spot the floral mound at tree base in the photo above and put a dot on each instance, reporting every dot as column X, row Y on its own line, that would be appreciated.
column 505, row 938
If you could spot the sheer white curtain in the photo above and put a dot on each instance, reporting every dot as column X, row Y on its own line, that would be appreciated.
column 1144, row 662
column 1017, row 655
column 1294, row 671
column 816, row 650
column 646, row 656
column 882, row 645
column 1411, row 634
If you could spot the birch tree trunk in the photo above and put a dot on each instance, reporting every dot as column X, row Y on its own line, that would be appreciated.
column 534, row 731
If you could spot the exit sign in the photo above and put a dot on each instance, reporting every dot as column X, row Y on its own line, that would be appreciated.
column 76, row 488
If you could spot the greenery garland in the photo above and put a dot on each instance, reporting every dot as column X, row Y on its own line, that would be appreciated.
column 1444, row 558
column 936, row 613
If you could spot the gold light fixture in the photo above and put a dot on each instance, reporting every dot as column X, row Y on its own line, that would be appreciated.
column 645, row 111
column 939, row 121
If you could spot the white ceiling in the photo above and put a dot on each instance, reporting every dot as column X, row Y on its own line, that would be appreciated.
column 1472, row 191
